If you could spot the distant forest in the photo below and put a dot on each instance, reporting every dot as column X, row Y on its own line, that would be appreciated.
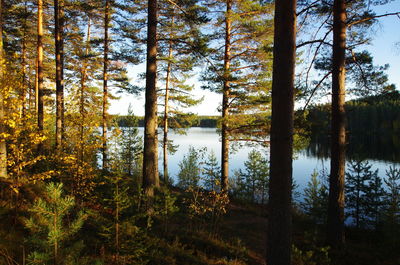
column 371, row 116
column 197, row 121
column 373, row 127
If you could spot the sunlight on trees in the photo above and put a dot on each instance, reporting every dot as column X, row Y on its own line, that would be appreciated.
column 76, row 188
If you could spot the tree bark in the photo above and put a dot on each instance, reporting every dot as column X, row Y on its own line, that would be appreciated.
column 58, row 29
column 335, row 224
column 279, row 240
column 225, row 100
column 105, row 83
column 40, row 96
column 166, row 110
column 150, row 156
column 3, row 147
column 82, row 96
column 24, row 85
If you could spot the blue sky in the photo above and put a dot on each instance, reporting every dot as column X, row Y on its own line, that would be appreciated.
column 385, row 48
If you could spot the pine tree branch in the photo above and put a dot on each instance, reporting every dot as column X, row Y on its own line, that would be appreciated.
column 315, row 89
column 363, row 76
column 312, row 42
column 313, row 60
column 249, row 140
column 312, row 5
column 373, row 17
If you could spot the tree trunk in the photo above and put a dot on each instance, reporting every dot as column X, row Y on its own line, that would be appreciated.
column 279, row 240
column 150, row 156
column 335, row 224
column 105, row 80
column 40, row 97
column 166, row 110
column 24, row 85
column 3, row 147
column 58, row 29
column 225, row 100
column 165, row 140
column 82, row 96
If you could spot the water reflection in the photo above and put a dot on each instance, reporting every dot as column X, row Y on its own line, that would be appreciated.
column 378, row 147
column 380, row 151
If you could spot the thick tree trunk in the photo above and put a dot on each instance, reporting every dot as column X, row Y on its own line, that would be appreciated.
column 3, row 148
column 225, row 100
column 58, row 29
column 150, row 156
column 40, row 96
column 105, row 85
column 335, row 232
column 279, row 241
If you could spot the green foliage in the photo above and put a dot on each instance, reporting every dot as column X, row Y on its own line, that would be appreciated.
column 314, row 256
column 246, row 73
column 380, row 114
column 118, row 224
column 165, row 206
column 53, row 228
column 129, row 146
column 205, row 208
column 358, row 179
column 189, row 169
column 315, row 202
column 252, row 184
column 374, row 201
column 211, row 172
column 392, row 204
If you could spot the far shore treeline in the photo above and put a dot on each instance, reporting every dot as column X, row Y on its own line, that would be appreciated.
column 198, row 121
column 372, row 115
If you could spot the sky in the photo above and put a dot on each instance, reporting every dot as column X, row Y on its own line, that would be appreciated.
column 385, row 48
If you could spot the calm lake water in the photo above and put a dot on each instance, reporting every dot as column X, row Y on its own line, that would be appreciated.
column 306, row 161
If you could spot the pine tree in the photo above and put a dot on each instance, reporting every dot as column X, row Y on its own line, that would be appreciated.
column 315, row 199
column 374, row 200
column 356, row 187
column 52, row 227
column 336, row 204
column 110, row 40
column 131, row 147
column 83, row 111
column 177, row 58
column 20, row 44
column 40, row 88
column 392, row 204
column 211, row 172
column 279, row 241
column 240, row 71
column 150, row 153
column 350, row 23
column 189, row 169
column 105, row 83
column 255, row 177
column 59, row 58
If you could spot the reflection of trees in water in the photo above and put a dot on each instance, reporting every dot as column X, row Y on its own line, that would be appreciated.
column 319, row 147
column 385, row 147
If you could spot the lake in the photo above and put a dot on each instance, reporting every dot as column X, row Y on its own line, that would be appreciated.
column 306, row 161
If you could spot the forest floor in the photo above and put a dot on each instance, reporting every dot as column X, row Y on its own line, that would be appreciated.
column 236, row 238
column 241, row 239
column 249, row 223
